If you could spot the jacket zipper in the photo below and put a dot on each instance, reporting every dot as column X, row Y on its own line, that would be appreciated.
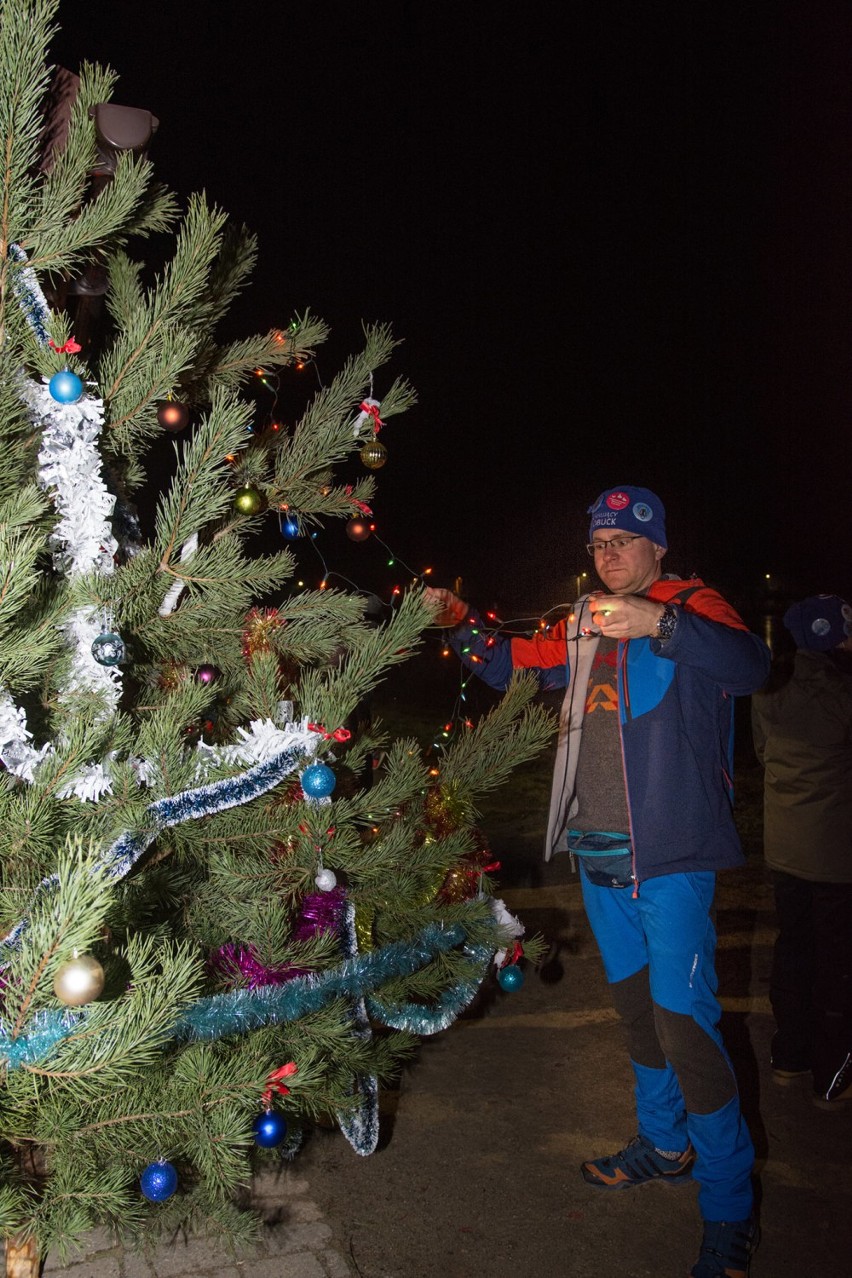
column 624, row 696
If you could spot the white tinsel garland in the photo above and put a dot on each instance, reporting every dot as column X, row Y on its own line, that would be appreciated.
column 19, row 757
column 70, row 471
column 82, row 541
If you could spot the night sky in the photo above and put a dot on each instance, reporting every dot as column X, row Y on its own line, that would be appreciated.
column 616, row 240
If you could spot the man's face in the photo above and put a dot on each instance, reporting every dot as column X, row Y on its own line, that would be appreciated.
column 626, row 569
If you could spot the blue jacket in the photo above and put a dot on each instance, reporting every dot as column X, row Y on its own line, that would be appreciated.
column 675, row 719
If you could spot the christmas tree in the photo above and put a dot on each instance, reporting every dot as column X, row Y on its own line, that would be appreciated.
column 219, row 922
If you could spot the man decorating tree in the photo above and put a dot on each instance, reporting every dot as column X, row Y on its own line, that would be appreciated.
column 642, row 797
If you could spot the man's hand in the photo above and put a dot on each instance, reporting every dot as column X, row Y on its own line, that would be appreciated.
column 449, row 609
column 626, row 616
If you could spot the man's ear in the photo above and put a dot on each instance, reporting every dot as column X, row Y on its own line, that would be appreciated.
column 659, row 551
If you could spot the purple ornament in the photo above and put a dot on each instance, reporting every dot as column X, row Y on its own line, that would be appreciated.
column 206, row 674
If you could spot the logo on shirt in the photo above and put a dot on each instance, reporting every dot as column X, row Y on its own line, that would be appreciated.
column 602, row 693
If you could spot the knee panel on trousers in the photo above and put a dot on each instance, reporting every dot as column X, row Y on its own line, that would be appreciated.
column 703, row 1071
column 632, row 999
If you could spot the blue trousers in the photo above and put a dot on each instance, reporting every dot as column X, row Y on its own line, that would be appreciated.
column 658, row 950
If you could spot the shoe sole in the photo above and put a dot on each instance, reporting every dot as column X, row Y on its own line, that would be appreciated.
column 843, row 1099
column 682, row 1178
column 784, row 1077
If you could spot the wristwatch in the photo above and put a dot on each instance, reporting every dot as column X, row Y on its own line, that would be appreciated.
column 667, row 623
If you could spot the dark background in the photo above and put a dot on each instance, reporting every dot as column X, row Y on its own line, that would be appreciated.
column 614, row 238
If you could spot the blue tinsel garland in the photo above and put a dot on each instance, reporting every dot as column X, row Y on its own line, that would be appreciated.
column 221, row 1015
column 27, row 290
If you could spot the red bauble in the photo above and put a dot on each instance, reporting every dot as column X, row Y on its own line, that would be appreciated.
column 359, row 529
column 172, row 416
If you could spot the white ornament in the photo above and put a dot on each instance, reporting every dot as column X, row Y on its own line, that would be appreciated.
column 326, row 880
column 507, row 922
column 365, row 415
column 178, row 586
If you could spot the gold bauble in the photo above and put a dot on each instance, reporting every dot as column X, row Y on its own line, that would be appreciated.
column 79, row 981
column 373, row 455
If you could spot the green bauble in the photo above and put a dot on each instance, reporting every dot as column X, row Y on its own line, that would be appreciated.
column 248, row 501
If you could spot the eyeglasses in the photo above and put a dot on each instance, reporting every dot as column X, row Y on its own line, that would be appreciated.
column 614, row 543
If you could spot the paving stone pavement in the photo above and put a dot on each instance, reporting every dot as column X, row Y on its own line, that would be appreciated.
column 298, row 1242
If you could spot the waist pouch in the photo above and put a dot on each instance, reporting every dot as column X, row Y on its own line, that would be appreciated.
column 606, row 858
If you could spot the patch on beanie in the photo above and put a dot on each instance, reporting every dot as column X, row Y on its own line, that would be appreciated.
column 617, row 501
column 643, row 512
column 820, row 622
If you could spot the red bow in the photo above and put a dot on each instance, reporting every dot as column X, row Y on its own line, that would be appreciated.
column 274, row 1084
column 339, row 734
column 68, row 348
column 362, row 505
column 372, row 410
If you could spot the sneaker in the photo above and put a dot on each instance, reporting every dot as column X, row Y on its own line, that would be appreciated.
column 839, row 1088
column 788, row 1059
column 637, row 1163
column 787, row 1076
column 726, row 1249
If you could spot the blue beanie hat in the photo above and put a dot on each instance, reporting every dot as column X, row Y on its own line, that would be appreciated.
column 635, row 510
column 819, row 623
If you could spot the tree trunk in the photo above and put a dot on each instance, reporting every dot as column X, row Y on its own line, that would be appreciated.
column 22, row 1258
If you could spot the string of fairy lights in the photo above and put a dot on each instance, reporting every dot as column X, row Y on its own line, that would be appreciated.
column 364, row 529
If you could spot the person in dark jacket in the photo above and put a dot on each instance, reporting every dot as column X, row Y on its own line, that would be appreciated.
column 802, row 731
column 642, row 797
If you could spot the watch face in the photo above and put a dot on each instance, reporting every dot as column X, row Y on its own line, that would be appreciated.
column 666, row 624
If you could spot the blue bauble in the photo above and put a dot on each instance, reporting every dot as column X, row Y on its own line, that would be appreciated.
column 108, row 649
column 158, row 1182
column 269, row 1129
column 317, row 781
column 65, row 387
column 290, row 529
column 510, row 978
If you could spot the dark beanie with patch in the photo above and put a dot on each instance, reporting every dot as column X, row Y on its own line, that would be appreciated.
column 630, row 509
column 819, row 623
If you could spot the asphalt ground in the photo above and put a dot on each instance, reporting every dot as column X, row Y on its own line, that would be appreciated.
column 476, row 1174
